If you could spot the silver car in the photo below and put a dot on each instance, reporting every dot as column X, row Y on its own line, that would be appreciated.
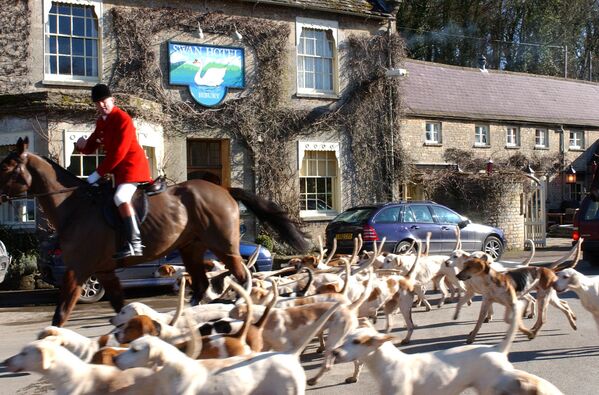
column 4, row 261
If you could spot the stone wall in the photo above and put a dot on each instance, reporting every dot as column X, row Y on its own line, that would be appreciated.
column 14, row 41
column 459, row 134
column 509, row 216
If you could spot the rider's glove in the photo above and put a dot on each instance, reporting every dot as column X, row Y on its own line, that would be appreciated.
column 93, row 178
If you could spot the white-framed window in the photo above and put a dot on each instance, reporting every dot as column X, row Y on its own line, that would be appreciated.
column 72, row 41
column 316, row 43
column 541, row 138
column 18, row 213
column 80, row 164
column 432, row 134
column 576, row 192
column 512, row 136
column 576, row 139
column 319, row 178
column 481, row 136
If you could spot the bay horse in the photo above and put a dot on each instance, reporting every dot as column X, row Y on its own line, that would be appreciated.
column 191, row 216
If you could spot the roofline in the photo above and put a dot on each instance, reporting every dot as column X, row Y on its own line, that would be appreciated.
column 381, row 16
column 554, row 123
column 501, row 72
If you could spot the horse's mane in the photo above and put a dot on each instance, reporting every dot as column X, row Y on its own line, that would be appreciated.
column 62, row 172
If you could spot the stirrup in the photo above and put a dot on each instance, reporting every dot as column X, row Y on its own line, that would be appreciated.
column 128, row 250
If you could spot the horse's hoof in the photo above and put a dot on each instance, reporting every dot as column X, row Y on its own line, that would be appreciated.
column 312, row 381
column 404, row 342
column 320, row 349
column 351, row 380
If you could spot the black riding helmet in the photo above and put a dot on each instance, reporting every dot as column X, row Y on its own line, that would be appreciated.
column 100, row 92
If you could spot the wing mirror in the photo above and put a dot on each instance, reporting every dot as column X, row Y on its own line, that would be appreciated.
column 462, row 224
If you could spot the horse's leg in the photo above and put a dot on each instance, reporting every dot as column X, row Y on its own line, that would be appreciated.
column 114, row 291
column 192, row 256
column 69, row 294
column 235, row 264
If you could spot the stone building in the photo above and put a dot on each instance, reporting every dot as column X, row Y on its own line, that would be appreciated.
column 493, row 115
column 258, row 94
column 172, row 63
column 459, row 114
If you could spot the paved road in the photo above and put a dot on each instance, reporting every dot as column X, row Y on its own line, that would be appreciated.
column 567, row 358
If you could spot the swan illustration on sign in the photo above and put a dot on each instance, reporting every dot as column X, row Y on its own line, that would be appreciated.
column 209, row 71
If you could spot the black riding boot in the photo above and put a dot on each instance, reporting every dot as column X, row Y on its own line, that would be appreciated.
column 132, row 246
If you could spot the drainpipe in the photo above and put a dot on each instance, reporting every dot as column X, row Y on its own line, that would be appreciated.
column 391, row 119
column 562, row 153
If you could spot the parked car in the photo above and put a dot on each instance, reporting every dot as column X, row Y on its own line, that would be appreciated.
column 4, row 261
column 141, row 275
column 586, row 225
column 403, row 222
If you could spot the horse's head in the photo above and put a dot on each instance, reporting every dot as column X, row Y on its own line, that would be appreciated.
column 15, row 179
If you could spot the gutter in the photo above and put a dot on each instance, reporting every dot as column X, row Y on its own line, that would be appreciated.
column 589, row 124
column 323, row 9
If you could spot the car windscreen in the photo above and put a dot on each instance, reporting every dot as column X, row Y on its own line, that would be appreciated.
column 354, row 216
column 590, row 211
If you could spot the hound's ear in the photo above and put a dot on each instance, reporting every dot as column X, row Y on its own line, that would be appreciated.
column 47, row 355
column 22, row 145
column 484, row 258
column 157, row 328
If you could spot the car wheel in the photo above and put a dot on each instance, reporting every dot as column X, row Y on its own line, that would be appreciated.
column 493, row 247
column 91, row 291
column 591, row 257
column 405, row 247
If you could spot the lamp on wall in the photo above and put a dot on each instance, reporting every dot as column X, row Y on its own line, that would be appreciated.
column 570, row 175
column 490, row 166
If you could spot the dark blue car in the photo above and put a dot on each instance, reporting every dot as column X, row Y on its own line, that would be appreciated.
column 142, row 275
column 403, row 222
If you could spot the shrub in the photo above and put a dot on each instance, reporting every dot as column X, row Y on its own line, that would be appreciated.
column 265, row 241
column 22, row 246
column 19, row 267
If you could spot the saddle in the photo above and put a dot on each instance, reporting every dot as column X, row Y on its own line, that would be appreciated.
column 140, row 201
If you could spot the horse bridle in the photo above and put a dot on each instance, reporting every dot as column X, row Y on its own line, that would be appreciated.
column 15, row 174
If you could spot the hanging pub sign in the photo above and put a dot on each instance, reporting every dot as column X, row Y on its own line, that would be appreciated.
column 208, row 70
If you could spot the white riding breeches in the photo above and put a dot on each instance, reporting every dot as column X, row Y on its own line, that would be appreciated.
column 124, row 193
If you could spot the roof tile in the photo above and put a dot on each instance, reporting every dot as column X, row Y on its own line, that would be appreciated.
column 433, row 89
column 365, row 7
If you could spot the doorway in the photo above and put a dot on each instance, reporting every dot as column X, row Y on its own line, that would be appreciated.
column 208, row 159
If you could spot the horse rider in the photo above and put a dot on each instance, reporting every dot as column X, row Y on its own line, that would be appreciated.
column 125, row 159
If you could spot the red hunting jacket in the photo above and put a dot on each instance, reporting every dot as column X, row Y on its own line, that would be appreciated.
column 124, row 156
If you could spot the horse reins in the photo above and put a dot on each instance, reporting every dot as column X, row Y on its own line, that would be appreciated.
column 6, row 198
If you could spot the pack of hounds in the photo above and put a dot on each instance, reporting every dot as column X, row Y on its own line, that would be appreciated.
column 248, row 339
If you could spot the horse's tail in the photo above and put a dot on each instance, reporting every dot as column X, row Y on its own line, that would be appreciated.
column 273, row 215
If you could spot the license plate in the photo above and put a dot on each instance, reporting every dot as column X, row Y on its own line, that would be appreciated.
column 344, row 236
